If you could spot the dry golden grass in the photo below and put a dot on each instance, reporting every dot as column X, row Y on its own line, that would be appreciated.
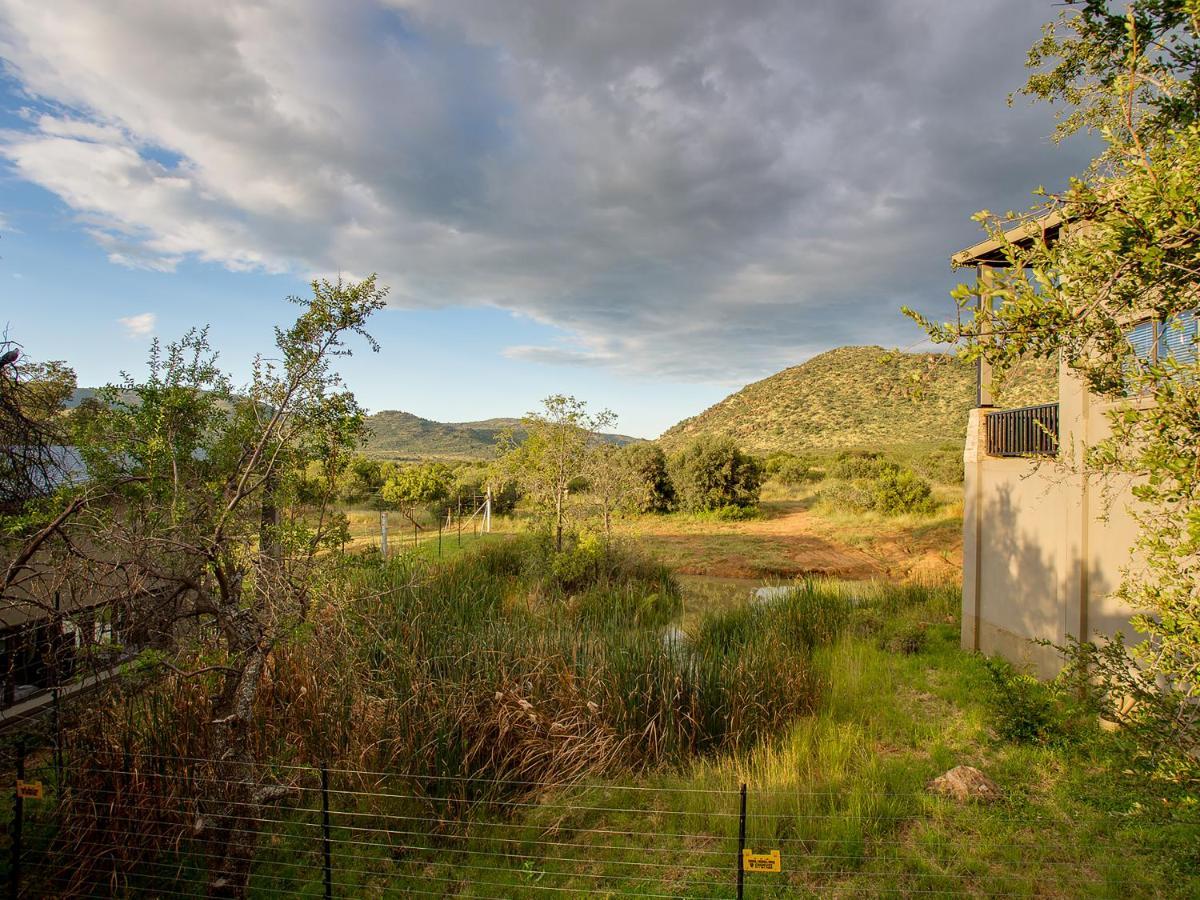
column 859, row 397
column 796, row 536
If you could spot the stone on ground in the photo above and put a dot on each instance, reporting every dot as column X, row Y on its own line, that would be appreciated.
column 964, row 783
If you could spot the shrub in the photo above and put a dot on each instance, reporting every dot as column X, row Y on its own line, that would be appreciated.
column 851, row 496
column 897, row 491
column 944, row 465
column 789, row 469
column 652, row 490
column 855, row 464
column 586, row 561
column 906, row 638
column 713, row 472
column 1024, row 709
column 577, row 564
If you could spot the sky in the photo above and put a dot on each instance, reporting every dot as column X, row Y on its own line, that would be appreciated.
column 646, row 205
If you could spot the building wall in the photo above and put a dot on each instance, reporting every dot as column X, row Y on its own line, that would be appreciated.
column 1043, row 549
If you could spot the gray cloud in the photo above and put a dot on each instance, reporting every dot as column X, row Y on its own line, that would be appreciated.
column 693, row 188
column 557, row 356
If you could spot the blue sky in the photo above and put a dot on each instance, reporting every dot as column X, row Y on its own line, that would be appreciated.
column 63, row 299
column 645, row 205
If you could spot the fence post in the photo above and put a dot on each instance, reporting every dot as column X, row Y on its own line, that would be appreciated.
column 325, row 837
column 439, row 538
column 56, row 674
column 383, row 533
column 14, row 871
column 741, row 871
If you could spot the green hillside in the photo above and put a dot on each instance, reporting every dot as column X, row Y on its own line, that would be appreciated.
column 401, row 435
column 858, row 397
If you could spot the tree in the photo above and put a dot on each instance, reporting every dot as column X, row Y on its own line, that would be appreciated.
column 32, row 396
column 713, row 472
column 1133, row 68
column 610, row 480
column 35, row 479
column 553, row 454
column 186, row 479
column 424, row 483
column 1132, row 258
column 363, row 479
column 652, row 490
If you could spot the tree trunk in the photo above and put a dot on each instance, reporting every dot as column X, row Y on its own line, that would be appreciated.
column 558, row 521
column 238, row 782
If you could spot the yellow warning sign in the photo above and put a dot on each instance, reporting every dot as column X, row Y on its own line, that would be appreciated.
column 761, row 862
column 29, row 790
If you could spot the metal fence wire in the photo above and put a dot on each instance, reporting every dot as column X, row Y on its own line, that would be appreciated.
column 155, row 826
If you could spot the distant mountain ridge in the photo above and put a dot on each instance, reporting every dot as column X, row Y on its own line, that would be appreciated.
column 395, row 434
column 402, row 435
column 859, row 398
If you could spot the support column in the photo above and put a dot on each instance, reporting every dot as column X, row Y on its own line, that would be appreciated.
column 974, row 453
column 983, row 368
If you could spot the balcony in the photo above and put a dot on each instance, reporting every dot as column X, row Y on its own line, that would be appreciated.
column 1028, row 431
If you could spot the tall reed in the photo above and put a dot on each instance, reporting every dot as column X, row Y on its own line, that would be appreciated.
column 470, row 681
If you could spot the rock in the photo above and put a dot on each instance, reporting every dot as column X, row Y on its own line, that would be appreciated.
column 964, row 783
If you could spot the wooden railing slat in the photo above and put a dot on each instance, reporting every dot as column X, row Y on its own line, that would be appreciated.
column 1025, row 431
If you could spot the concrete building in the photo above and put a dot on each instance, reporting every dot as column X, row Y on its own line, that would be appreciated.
column 1044, row 547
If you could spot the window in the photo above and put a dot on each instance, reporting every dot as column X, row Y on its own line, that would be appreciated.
column 1143, row 338
column 1178, row 339
column 1154, row 341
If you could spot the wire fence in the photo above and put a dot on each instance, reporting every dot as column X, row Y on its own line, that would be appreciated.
column 402, row 529
column 147, row 825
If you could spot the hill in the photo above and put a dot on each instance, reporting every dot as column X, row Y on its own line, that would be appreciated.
column 858, row 397
column 402, row 435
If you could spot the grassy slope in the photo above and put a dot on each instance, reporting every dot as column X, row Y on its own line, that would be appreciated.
column 402, row 435
column 857, row 397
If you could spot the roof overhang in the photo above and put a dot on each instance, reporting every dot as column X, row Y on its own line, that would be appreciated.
column 991, row 251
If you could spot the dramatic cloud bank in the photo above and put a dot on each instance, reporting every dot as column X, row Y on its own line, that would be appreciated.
column 695, row 188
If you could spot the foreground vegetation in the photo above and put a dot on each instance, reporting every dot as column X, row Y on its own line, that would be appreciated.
column 535, row 733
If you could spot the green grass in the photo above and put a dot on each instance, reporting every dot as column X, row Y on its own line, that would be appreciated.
column 837, row 783
column 842, row 793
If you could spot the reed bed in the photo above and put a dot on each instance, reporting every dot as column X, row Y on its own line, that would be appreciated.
column 504, row 667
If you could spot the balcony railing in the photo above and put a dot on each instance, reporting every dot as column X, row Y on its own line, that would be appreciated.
column 1028, row 431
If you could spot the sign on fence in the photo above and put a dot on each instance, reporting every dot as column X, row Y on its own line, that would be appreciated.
column 30, row 790
column 762, row 862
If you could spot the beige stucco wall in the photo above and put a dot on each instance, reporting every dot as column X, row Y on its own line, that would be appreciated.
column 1043, row 551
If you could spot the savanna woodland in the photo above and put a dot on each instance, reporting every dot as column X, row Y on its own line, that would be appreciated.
column 583, row 665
